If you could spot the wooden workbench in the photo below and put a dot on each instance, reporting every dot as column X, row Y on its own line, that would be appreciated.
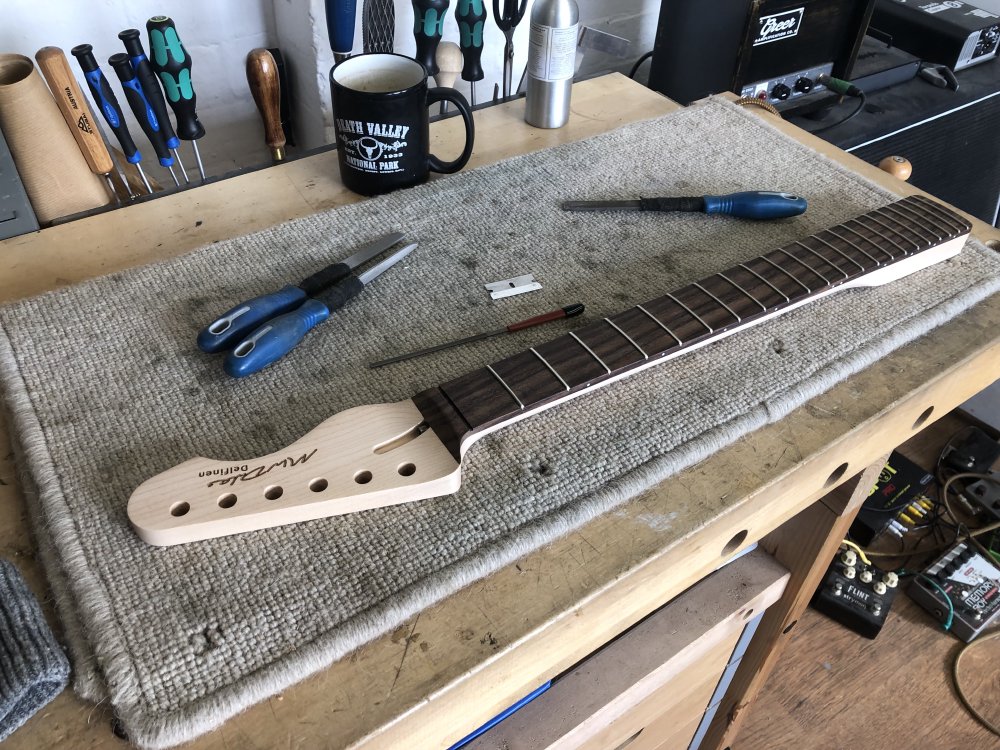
column 461, row 661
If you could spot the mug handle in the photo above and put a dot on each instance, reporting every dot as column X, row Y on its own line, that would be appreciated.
column 443, row 93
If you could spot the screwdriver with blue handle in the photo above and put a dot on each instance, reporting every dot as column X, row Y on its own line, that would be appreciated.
column 107, row 103
column 280, row 335
column 340, row 20
column 151, row 125
column 749, row 205
column 151, row 89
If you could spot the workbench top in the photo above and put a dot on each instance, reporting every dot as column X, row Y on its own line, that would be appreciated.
column 461, row 661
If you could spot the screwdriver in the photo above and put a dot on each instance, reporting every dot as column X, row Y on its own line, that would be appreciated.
column 151, row 89
column 428, row 25
column 143, row 110
column 471, row 17
column 563, row 312
column 172, row 64
column 108, row 104
column 340, row 15
column 748, row 205
column 55, row 67
column 262, row 76
column 280, row 335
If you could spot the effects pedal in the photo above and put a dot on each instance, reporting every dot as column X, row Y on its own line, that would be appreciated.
column 961, row 589
column 856, row 594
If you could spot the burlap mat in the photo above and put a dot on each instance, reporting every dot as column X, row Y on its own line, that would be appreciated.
column 105, row 388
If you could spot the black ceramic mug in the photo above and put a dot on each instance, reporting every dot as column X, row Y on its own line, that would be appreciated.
column 380, row 110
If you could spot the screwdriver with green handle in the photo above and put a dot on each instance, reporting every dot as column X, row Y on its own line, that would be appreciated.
column 428, row 25
column 151, row 125
column 172, row 63
column 760, row 204
column 471, row 17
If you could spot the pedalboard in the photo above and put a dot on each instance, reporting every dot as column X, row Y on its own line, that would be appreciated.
column 895, row 502
column 977, row 452
column 856, row 594
column 792, row 90
column 963, row 586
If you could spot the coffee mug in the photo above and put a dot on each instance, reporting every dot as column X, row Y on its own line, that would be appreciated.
column 380, row 111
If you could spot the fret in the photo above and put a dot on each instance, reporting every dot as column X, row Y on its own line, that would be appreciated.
column 644, row 330
column 959, row 225
column 900, row 210
column 609, row 345
column 856, row 246
column 504, row 384
column 839, row 252
column 660, row 324
column 807, row 266
column 815, row 254
column 740, row 288
column 681, row 322
column 571, row 364
column 481, row 397
column 590, row 352
column 739, row 301
column 901, row 229
column 719, row 300
column 545, row 362
column 530, row 380
column 785, row 273
column 627, row 338
column 690, row 311
column 747, row 268
column 902, row 250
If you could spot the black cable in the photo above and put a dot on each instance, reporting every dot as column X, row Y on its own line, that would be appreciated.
column 862, row 101
column 640, row 61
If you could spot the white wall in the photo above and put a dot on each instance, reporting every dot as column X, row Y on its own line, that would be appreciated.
column 219, row 33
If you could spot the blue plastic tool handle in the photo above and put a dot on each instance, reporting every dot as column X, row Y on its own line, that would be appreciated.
column 340, row 15
column 756, row 205
column 226, row 331
column 274, row 339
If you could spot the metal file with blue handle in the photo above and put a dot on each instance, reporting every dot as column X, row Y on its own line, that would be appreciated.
column 261, row 330
column 758, row 204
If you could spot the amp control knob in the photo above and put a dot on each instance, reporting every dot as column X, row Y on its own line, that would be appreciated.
column 804, row 85
column 780, row 92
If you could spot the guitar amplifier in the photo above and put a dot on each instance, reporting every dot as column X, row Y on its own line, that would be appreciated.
column 770, row 49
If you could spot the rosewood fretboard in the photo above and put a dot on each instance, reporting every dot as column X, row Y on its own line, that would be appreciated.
column 525, row 382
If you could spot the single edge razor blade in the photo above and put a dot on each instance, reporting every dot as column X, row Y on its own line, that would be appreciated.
column 511, row 287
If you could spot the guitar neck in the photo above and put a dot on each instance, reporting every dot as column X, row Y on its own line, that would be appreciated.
column 871, row 249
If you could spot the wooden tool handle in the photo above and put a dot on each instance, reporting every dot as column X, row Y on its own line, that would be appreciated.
column 74, row 109
column 449, row 62
column 262, row 75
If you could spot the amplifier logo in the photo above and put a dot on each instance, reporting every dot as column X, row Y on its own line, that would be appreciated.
column 778, row 26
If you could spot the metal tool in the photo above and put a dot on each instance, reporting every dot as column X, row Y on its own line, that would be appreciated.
column 471, row 17
column 428, row 25
column 262, row 76
column 262, row 330
column 107, row 103
column 563, row 312
column 512, row 287
column 748, row 205
column 143, row 111
column 73, row 107
column 340, row 16
column 151, row 89
column 172, row 63
column 507, row 21
column 378, row 25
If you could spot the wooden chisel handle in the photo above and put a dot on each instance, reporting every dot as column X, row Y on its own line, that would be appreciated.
column 262, row 75
column 73, row 106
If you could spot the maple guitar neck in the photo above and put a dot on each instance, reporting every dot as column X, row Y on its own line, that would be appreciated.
column 384, row 454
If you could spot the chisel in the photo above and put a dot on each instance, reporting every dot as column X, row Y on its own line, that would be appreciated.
column 748, row 205
column 563, row 312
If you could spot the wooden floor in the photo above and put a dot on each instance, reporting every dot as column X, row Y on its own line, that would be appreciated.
column 835, row 689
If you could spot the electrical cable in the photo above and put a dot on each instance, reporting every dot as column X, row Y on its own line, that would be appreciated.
column 958, row 685
column 862, row 101
column 951, row 607
column 640, row 61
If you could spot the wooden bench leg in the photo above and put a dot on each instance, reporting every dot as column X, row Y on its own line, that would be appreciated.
column 805, row 545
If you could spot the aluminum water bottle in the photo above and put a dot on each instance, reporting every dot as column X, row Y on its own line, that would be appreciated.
column 551, row 62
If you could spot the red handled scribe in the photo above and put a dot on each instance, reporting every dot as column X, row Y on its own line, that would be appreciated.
column 563, row 312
